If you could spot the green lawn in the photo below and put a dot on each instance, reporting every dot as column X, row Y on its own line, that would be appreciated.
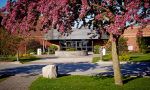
column 139, row 57
column 28, row 59
column 134, row 57
column 21, row 59
column 95, row 59
column 105, row 58
column 89, row 83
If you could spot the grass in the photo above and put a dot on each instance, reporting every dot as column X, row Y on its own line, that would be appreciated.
column 105, row 58
column 3, row 77
column 28, row 59
column 7, row 59
column 139, row 57
column 89, row 83
column 134, row 57
column 95, row 59
column 21, row 59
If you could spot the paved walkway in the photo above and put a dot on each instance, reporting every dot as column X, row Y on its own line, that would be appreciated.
column 53, row 59
column 20, row 82
column 22, row 75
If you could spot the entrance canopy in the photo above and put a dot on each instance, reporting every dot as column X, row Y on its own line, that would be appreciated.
column 75, row 34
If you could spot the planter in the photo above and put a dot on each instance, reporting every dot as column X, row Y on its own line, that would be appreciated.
column 70, row 53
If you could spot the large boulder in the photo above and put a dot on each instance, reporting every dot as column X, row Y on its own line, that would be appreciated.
column 49, row 71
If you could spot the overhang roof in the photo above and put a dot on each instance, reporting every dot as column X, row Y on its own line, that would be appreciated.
column 76, row 34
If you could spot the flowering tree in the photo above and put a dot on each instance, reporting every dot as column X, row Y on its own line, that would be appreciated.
column 112, row 16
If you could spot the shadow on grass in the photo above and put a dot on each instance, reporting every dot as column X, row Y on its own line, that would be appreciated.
column 62, row 75
column 4, row 76
column 128, row 79
column 134, row 57
column 146, row 60
column 24, row 60
column 125, row 79
column 98, row 76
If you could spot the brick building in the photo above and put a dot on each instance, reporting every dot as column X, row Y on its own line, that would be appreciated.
column 131, row 35
column 83, row 39
column 80, row 39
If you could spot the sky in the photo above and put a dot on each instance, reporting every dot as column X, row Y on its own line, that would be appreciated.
column 2, row 3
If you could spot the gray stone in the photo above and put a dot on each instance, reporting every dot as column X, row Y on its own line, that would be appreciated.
column 71, row 53
column 49, row 71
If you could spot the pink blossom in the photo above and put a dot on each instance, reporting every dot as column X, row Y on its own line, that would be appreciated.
column 98, row 17
column 61, row 28
column 24, row 15
column 146, row 5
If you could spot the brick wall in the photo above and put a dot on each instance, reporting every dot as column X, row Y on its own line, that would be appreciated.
column 131, row 35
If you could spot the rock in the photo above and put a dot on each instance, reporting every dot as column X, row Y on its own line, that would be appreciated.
column 49, row 71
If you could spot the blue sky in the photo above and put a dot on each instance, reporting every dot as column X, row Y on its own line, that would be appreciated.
column 2, row 3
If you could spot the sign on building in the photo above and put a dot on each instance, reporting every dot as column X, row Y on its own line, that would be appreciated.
column 130, row 48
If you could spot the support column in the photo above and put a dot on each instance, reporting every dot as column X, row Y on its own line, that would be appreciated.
column 81, row 45
column 76, row 45
column 92, row 46
column 86, row 46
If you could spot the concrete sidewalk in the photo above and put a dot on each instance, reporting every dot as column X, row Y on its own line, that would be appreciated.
column 61, row 60
column 53, row 59
column 20, row 82
column 22, row 75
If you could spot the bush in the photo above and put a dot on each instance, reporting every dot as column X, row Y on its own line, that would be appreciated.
column 28, row 58
column 96, row 49
column 122, row 46
column 95, row 59
column 70, row 49
column 32, row 51
column 107, row 57
column 7, row 58
column 124, row 57
column 25, row 55
column 144, row 44
column 52, row 49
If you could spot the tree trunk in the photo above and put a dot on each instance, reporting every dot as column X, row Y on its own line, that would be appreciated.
column 17, row 55
column 101, row 54
column 116, row 63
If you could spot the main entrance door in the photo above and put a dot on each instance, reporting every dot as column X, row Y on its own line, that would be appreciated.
column 76, row 44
